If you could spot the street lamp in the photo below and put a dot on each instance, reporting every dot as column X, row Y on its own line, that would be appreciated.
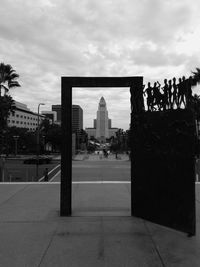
column 38, row 139
column 16, row 137
column 44, row 144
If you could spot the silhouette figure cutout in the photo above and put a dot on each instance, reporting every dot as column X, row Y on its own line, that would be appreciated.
column 181, row 93
column 157, row 96
column 189, row 83
column 149, row 93
column 174, row 94
column 170, row 94
column 165, row 90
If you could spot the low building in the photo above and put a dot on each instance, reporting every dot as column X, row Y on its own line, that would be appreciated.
column 23, row 117
column 51, row 115
column 57, row 109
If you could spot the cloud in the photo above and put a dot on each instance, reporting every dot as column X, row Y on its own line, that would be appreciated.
column 45, row 39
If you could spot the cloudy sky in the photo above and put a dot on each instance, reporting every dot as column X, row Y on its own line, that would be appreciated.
column 46, row 39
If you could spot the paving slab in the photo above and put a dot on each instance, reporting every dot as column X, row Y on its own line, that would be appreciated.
column 102, row 242
column 175, row 248
column 7, row 192
column 101, row 199
column 35, row 202
column 24, row 244
column 33, row 234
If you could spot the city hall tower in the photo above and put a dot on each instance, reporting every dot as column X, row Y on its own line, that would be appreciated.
column 102, row 121
column 102, row 124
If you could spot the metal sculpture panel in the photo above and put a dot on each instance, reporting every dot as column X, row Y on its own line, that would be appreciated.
column 162, row 149
column 163, row 156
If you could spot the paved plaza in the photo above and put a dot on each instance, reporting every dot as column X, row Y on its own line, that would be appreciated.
column 100, row 231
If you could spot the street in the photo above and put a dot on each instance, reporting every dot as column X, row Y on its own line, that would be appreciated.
column 93, row 184
column 98, row 171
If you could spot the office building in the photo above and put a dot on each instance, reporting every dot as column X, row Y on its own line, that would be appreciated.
column 77, row 118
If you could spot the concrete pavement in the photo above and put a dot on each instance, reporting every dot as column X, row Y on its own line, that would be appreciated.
column 33, row 234
column 99, row 170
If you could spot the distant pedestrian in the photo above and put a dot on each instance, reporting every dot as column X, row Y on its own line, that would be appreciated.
column 46, row 176
column 100, row 154
column 105, row 153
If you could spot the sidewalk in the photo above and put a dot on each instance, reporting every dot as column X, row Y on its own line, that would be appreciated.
column 95, row 157
column 100, row 232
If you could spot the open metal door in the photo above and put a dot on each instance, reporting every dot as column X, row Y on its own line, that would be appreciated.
column 163, row 168
column 162, row 156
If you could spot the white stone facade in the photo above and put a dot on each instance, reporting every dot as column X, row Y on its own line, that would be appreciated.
column 24, row 118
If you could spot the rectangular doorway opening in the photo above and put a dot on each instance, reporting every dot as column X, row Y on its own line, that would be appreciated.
column 133, row 85
column 101, row 167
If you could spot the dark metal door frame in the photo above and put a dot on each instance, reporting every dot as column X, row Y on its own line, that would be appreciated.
column 67, row 83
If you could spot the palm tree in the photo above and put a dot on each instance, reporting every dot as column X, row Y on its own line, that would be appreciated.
column 196, row 106
column 196, row 75
column 8, row 78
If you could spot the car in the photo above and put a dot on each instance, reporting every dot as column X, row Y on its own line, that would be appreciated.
column 39, row 159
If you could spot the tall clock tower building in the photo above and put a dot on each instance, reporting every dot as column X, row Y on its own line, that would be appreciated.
column 102, row 124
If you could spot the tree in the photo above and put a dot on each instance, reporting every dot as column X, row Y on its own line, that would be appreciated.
column 6, row 107
column 196, row 75
column 196, row 106
column 81, row 139
column 52, row 133
column 26, row 141
column 8, row 78
column 54, row 137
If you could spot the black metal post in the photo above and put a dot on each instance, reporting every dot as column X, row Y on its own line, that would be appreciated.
column 66, row 152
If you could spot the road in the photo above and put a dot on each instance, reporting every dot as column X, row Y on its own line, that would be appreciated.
column 98, row 171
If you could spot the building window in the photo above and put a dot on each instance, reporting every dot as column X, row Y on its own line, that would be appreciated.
column 17, row 122
column 24, row 117
column 13, row 121
column 21, row 116
column 17, row 115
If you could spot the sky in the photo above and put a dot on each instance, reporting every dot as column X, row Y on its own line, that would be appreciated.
column 46, row 39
